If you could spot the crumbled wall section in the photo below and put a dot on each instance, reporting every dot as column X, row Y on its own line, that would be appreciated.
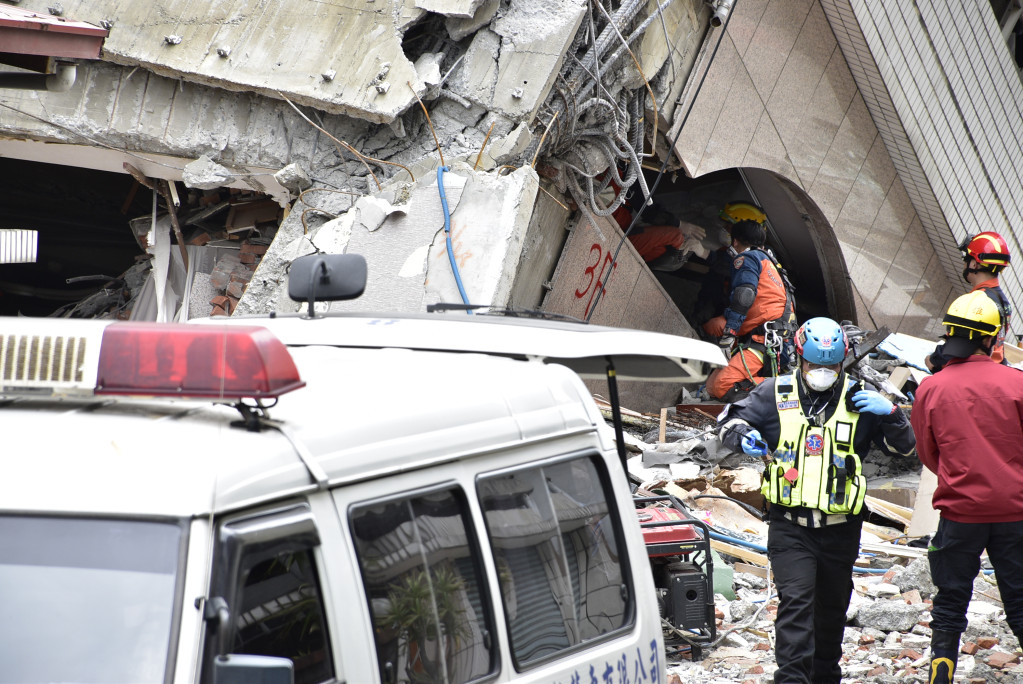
column 401, row 232
column 511, row 66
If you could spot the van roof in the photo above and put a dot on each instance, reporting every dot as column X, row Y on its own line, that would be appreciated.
column 382, row 393
column 637, row 355
column 363, row 413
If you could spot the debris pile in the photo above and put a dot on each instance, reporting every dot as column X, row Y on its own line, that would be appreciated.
column 217, row 238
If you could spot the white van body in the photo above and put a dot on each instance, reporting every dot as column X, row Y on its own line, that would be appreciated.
column 441, row 501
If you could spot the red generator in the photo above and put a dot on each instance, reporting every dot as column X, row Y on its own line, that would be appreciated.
column 678, row 546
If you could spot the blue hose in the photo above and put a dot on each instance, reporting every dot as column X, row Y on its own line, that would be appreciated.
column 447, row 235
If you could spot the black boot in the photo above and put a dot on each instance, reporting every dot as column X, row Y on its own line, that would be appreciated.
column 944, row 655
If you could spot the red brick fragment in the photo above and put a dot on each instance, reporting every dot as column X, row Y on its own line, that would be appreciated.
column 999, row 660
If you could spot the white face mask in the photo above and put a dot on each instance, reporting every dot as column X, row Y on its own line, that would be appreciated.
column 820, row 379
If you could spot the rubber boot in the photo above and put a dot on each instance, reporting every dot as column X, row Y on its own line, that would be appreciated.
column 944, row 655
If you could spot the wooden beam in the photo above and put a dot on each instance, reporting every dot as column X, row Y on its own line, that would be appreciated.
column 748, row 555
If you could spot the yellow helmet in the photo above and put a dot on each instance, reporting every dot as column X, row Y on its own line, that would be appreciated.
column 742, row 211
column 972, row 316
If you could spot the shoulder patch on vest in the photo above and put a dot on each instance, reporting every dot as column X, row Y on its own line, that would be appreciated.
column 737, row 264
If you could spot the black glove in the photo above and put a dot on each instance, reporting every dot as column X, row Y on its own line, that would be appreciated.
column 727, row 344
column 672, row 260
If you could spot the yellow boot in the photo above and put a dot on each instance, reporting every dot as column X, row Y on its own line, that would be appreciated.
column 944, row 655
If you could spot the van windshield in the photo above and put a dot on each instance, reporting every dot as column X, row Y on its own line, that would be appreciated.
column 86, row 600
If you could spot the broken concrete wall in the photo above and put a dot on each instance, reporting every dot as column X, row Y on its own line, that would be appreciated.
column 402, row 231
column 517, row 84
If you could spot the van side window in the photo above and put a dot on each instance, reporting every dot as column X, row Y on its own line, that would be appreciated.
column 281, row 613
column 265, row 577
column 421, row 569
column 556, row 545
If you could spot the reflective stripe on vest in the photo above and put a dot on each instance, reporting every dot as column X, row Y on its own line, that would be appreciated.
column 823, row 470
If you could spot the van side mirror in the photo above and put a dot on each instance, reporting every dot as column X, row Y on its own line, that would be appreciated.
column 326, row 278
column 252, row 669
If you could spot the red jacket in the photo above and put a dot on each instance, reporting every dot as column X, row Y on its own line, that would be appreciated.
column 968, row 421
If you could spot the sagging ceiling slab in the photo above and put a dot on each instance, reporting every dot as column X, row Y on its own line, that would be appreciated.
column 340, row 57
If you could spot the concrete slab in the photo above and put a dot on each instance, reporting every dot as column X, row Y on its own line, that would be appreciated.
column 511, row 66
column 464, row 9
column 283, row 46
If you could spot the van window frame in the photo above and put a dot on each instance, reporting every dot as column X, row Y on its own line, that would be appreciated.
column 475, row 545
column 283, row 526
column 629, row 614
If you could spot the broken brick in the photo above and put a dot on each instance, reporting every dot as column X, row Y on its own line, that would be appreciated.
column 999, row 660
column 235, row 289
column 762, row 646
column 249, row 248
column 888, row 576
column 756, row 669
column 247, row 258
column 866, row 639
column 200, row 239
column 910, row 653
column 987, row 642
column 912, row 596
column 877, row 671
column 969, row 648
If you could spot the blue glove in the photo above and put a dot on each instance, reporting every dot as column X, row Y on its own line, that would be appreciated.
column 868, row 401
column 753, row 444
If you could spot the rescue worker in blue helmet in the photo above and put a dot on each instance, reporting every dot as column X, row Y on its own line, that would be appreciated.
column 811, row 427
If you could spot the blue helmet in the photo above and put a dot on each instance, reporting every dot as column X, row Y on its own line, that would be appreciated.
column 822, row 341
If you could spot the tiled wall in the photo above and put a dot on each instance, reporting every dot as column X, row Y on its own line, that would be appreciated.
column 951, row 107
column 897, row 164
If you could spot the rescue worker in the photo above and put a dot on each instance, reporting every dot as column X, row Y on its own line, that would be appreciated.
column 714, row 288
column 984, row 257
column 969, row 422
column 816, row 422
column 759, row 304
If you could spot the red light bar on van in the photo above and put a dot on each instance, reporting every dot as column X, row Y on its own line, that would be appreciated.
column 196, row 361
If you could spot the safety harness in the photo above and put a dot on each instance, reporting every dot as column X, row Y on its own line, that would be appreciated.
column 815, row 467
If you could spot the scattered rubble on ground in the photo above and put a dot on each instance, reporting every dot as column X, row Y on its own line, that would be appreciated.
column 887, row 638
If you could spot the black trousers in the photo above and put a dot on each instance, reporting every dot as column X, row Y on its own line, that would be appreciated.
column 954, row 558
column 813, row 572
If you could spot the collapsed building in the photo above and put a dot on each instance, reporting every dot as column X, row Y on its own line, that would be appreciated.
column 476, row 152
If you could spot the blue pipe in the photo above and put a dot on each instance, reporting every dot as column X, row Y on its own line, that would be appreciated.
column 447, row 235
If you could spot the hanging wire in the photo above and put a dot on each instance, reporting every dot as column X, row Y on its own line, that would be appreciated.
column 598, row 297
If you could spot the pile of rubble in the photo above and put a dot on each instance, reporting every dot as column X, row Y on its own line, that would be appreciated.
column 887, row 637
column 219, row 237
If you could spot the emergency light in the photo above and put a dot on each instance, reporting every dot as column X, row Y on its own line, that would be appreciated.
column 47, row 357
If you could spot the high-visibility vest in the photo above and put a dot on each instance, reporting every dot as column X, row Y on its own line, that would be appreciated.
column 814, row 467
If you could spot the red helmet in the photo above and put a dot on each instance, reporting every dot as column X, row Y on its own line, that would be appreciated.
column 987, row 248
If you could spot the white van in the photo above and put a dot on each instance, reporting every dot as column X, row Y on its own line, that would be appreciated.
column 322, row 499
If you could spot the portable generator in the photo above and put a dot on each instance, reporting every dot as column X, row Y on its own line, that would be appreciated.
column 678, row 546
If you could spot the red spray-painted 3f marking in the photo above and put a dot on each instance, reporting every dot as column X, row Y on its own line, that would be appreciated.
column 594, row 274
